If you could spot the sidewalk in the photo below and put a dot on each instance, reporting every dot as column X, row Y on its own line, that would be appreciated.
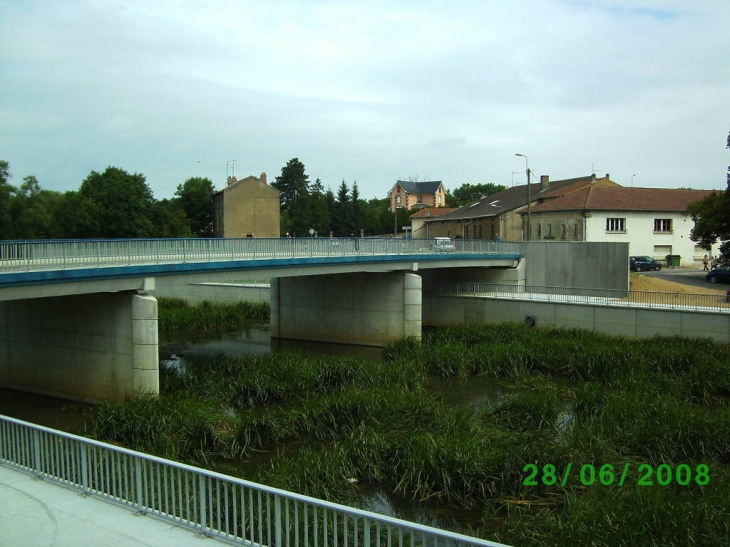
column 37, row 513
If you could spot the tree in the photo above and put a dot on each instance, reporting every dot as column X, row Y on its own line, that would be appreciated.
column 6, row 195
column 343, row 222
column 293, row 193
column 468, row 193
column 711, row 216
column 319, row 212
column 195, row 199
column 170, row 220
column 114, row 204
column 292, row 184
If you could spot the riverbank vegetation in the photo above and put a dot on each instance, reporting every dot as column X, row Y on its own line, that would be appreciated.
column 176, row 314
column 330, row 427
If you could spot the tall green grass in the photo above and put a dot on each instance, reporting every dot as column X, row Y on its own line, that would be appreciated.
column 175, row 314
column 585, row 398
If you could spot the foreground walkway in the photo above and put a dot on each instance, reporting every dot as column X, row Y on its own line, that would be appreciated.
column 37, row 513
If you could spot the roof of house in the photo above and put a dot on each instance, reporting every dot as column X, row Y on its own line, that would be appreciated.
column 432, row 212
column 424, row 187
column 516, row 197
column 620, row 198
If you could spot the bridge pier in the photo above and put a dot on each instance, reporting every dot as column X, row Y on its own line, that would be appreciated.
column 358, row 308
column 88, row 347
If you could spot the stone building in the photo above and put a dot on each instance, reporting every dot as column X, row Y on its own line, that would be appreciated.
column 246, row 208
column 417, row 195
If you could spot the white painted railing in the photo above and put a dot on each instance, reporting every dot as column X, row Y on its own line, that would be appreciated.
column 212, row 504
column 84, row 253
column 605, row 297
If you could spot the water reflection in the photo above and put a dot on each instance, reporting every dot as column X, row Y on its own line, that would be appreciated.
column 256, row 340
column 47, row 411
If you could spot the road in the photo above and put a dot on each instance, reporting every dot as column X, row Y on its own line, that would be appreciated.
column 687, row 276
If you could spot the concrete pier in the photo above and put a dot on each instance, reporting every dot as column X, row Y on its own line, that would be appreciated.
column 358, row 308
column 89, row 347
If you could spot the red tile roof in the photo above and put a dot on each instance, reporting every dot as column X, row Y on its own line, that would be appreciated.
column 627, row 199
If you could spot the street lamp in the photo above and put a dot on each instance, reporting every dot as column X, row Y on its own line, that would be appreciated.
column 395, row 220
column 527, row 169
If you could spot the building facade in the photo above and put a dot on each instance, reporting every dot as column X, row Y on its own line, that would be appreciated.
column 653, row 221
column 417, row 195
column 247, row 208
column 500, row 216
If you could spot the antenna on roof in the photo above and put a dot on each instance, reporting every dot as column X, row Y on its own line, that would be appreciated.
column 593, row 169
column 513, row 177
column 232, row 171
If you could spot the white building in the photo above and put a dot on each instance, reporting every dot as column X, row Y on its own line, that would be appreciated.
column 654, row 221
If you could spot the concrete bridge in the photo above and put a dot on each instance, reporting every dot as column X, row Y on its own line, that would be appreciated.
column 77, row 320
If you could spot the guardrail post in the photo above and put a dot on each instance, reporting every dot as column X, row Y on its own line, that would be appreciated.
column 202, row 503
column 277, row 518
column 138, row 483
column 84, row 468
column 37, row 451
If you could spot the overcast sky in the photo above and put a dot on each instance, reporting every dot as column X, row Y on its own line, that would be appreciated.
column 366, row 91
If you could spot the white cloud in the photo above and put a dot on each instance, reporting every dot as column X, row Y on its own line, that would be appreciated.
column 366, row 90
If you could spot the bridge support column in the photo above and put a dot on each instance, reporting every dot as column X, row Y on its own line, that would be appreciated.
column 88, row 347
column 359, row 308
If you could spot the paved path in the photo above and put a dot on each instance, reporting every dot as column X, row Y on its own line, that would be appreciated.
column 37, row 513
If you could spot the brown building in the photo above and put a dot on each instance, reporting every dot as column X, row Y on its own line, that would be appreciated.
column 499, row 215
column 416, row 195
column 419, row 227
column 246, row 208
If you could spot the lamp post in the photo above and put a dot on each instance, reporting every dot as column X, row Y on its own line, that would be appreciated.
column 527, row 170
column 395, row 220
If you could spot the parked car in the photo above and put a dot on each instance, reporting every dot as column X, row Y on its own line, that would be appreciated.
column 721, row 273
column 443, row 244
column 643, row 264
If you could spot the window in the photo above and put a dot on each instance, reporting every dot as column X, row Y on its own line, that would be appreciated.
column 615, row 224
column 662, row 224
column 419, row 199
column 397, row 199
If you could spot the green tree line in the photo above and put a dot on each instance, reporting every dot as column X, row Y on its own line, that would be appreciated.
column 118, row 204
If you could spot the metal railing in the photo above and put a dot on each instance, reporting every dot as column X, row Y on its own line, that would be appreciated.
column 212, row 504
column 83, row 253
column 605, row 297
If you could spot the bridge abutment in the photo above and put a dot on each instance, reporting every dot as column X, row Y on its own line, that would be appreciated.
column 359, row 308
column 89, row 347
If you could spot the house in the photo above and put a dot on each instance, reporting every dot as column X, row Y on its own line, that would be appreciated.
column 654, row 221
column 498, row 215
column 419, row 228
column 246, row 208
column 415, row 195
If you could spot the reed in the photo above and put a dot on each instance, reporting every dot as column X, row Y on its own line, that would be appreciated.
column 177, row 315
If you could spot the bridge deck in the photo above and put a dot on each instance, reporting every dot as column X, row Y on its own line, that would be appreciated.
column 34, row 512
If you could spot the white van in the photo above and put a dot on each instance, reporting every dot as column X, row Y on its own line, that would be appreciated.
column 443, row 244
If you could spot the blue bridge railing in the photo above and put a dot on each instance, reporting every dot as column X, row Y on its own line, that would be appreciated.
column 84, row 253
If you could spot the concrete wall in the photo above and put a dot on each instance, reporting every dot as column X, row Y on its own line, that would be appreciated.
column 614, row 320
column 229, row 293
column 362, row 308
column 593, row 265
column 84, row 348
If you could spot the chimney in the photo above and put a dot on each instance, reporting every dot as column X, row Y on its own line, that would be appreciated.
column 263, row 178
column 544, row 182
column 232, row 180
column 607, row 176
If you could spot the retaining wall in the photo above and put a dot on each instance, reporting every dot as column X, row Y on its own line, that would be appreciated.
column 615, row 320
